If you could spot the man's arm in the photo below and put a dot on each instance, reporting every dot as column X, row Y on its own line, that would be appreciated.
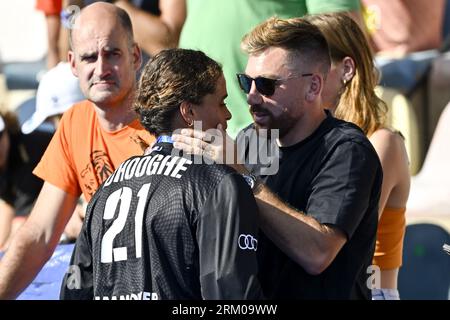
column 155, row 33
column 306, row 241
column 311, row 244
column 344, row 194
column 227, row 235
column 35, row 241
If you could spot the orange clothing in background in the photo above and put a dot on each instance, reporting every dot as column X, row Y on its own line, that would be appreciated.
column 49, row 7
column 82, row 154
column 390, row 235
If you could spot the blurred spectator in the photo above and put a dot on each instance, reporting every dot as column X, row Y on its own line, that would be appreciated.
column 216, row 28
column 398, row 27
column 405, row 36
column 52, row 10
column 156, row 23
column 21, row 151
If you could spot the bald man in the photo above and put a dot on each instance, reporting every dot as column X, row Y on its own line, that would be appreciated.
column 94, row 137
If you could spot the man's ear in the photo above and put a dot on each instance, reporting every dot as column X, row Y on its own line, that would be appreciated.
column 187, row 112
column 71, row 58
column 349, row 69
column 315, row 87
column 137, row 56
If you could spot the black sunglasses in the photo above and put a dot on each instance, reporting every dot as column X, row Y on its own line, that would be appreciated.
column 265, row 86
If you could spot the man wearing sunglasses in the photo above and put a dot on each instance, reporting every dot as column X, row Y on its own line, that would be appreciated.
column 319, row 211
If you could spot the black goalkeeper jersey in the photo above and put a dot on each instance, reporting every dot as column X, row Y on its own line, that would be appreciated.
column 164, row 226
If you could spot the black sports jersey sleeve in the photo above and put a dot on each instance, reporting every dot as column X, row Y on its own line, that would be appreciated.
column 227, row 240
column 78, row 282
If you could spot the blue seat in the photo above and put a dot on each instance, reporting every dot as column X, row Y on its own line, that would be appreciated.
column 403, row 74
column 425, row 274
column 23, row 75
column 47, row 284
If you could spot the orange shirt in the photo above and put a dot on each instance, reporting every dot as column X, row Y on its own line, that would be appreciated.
column 82, row 154
column 49, row 7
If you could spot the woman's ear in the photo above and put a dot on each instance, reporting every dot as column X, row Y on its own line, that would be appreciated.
column 187, row 113
column 349, row 69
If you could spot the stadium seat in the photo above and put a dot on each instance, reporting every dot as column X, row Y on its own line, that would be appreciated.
column 425, row 274
column 47, row 284
column 430, row 192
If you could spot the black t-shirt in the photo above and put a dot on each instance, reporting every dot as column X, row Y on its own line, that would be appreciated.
column 18, row 186
column 335, row 176
column 166, row 227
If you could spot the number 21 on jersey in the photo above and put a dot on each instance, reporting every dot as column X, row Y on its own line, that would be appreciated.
column 124, row 196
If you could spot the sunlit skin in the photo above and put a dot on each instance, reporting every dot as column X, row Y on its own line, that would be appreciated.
column 333, row 86
column 280, row 110
column 102, row 58
column 286, row 108
column 213, row 110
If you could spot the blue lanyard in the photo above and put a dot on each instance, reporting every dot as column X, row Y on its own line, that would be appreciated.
column 167, row 139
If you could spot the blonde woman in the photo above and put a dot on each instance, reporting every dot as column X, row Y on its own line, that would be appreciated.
column 349, row 93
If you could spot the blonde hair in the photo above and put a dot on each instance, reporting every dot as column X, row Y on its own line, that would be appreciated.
column 358, row 102
column 296, row 35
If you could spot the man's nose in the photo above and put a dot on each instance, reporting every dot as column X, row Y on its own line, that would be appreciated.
column 253, row 96
column 102, row 67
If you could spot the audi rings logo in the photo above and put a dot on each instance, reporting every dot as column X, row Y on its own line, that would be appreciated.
column 247, row 242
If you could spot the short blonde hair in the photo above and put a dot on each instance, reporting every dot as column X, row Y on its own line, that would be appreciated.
column 296, row 35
